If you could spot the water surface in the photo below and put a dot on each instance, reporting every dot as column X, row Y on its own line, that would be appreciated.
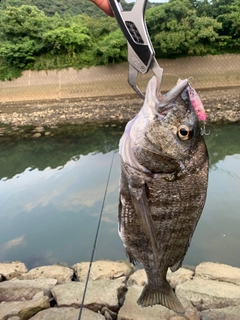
column 52, row 188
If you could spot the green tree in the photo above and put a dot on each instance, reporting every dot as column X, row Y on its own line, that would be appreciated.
column 112, row 48
column 67, row 40
column 231, row 25
column 177, row 30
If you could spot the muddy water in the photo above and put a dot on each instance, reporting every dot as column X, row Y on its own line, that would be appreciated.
column 52, row 188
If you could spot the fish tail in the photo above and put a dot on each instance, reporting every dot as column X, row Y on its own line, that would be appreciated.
column 166, row 297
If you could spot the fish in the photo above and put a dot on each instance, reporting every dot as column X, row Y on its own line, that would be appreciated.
column 163, row 187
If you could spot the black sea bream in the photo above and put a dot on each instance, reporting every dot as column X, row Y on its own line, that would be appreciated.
column 163, row 187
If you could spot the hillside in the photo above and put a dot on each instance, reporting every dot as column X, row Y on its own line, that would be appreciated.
column 63, row 8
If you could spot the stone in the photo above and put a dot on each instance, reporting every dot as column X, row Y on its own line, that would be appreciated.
column 206, row 294
column 220, row 272
column 181, row 275
column 66, row 314
column 139, row 278
column 12, row 270
column 36, row 135
column 132, row 311
column 229, row 313
column 99, row 293
column 61, row 273
column 23, row 309
column 103, row 269
column 15, row 290
column 39, row 129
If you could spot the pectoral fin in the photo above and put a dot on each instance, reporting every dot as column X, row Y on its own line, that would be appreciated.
column 139, row 199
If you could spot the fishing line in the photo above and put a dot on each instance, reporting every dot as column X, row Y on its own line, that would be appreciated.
column 96, row 237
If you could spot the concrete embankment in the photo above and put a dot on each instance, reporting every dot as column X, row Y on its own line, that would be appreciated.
column 210, row 292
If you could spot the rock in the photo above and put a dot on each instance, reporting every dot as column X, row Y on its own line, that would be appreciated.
column 132, row 311
column 15, row 290
column 138, row 277
column 14, row 318
column 61, row 273
column 206, row 294
column 220, row 272
column 99, row 293
column 179, row 276
column 12, row 270
column 66, row 314
column 174, row 278
column 23, row 309
column 39, row 129
column 103, row 269
column 230, row 313
column 36, row 135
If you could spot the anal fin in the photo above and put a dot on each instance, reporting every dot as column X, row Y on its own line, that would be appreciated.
column 131, row 257
column 177, row 265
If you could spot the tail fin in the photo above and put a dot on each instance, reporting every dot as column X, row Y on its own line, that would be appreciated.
column 166, row 297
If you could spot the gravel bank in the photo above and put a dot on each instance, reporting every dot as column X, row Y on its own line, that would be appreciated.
column 220, row 105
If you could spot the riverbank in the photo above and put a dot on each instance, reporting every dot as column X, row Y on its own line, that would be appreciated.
column 220, row 105
column 209, row 292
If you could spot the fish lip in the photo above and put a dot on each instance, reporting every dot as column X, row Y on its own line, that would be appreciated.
column 166, row 101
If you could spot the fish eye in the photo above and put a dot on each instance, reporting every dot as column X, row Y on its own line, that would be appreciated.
column 184, row 132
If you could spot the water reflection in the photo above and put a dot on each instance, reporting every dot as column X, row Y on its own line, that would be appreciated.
column 51, row 193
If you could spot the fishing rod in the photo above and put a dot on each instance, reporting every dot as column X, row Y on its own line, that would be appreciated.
column 96, row 238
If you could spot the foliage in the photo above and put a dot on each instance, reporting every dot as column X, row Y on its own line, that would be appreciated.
column 177, row 29
column 112, row 48
column 45, row 35
column 63, row 8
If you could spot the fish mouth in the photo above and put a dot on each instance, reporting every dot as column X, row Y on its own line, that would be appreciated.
column 164, row 103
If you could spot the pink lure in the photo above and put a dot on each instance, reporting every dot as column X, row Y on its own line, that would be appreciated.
column 196, row 103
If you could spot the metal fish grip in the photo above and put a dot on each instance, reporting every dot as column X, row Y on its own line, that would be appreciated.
column 141, row 54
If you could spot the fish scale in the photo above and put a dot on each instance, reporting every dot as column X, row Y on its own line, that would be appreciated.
column 163, row 187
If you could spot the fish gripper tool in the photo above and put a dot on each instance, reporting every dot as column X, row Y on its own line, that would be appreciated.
column 141, row 54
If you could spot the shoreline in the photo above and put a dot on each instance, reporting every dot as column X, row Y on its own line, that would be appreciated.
column 55, row 292
column 220, row 105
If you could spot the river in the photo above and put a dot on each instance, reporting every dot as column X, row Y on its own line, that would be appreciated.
column 52, row 189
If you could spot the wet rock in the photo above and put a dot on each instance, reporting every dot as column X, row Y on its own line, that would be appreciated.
column 61, row 273
column 39, row 129
column 66, row 314
column 230, row 313
column 206, row 294
column 132, row 311
column 220, row 272
column 174, row 278
column 103, row 269
column 23, row 309
column 36, row 135
column 99, row 293
column 15, row 290
column 12, row 270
